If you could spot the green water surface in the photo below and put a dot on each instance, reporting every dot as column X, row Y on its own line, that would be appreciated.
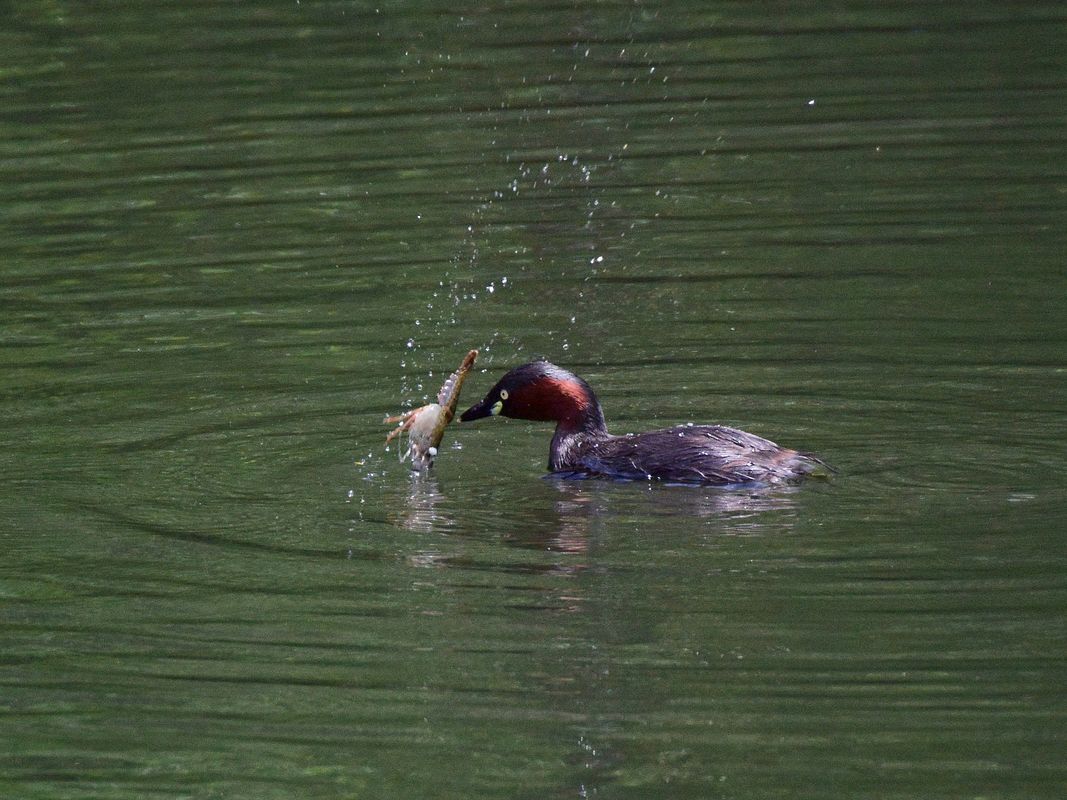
column 234, row 236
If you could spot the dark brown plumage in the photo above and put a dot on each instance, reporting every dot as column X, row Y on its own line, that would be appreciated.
column 582, row 446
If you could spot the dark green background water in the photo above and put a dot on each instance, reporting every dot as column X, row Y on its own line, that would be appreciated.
column 233, row 236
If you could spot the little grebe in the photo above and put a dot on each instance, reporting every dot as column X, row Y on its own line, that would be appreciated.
column 582, row 446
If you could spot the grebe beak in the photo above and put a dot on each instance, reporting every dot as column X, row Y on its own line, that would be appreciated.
column 482, row 409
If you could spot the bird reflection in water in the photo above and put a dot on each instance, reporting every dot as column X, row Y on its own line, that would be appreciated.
column 566, row 524
column 733, row 505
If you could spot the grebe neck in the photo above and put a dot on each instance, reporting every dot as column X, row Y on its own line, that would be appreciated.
column 581, row 422
column 559, row 396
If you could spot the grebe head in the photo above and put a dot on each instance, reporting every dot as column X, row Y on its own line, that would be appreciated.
column 541, row 391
